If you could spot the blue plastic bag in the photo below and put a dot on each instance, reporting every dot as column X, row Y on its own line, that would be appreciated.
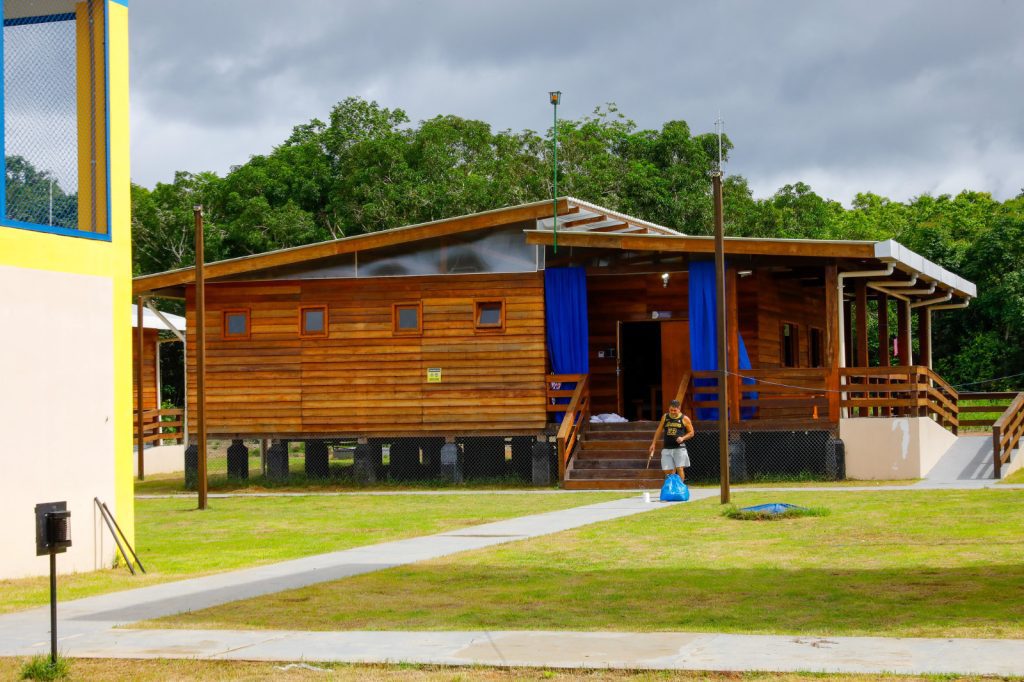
column 674, row 490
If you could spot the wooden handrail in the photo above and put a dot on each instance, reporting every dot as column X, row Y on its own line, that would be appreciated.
column 577, row 416
column 903, row 391
column 1006, row 433
column 683, row 392
column 154, row 425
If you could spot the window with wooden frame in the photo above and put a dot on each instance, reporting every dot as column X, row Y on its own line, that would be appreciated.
column 489, row 315
column 236, row 324
column 790, row 344
column 407, row 318
column 817, row 347
column 313, row 321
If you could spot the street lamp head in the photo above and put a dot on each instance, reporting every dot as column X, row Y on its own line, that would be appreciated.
column 556, row 97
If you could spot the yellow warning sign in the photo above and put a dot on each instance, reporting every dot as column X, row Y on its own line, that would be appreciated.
column 433, row 375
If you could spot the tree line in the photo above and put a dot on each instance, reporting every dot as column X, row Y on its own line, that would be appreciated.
column 369, row 168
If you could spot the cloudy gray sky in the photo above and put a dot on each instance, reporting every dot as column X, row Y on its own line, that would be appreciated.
column 898, row 97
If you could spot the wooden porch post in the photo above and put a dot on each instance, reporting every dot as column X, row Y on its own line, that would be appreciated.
column 140, row 424
column 883, row 330
column 832, row 332
column 924, row 335
column 733, row 331
column 847, row 332
column 903, row 332
column 883, row 341
column 861, row 306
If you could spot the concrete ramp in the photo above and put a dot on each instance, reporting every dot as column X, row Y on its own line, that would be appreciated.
column 968, row 460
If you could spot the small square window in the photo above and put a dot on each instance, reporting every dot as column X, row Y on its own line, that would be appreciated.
column 236, row 324
column 407, row 318
column 490, row 315
column 313, row 320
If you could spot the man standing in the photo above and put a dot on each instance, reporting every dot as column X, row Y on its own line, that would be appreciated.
column 677, row 429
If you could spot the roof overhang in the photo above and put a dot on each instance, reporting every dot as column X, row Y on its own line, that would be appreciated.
column 913, row 264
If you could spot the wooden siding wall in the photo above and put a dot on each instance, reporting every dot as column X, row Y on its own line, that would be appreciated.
column 777, row 301
column 363, row 379
column 625, row 298
column 149, row 396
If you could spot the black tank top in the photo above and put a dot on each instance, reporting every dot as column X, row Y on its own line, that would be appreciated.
column 673, row 429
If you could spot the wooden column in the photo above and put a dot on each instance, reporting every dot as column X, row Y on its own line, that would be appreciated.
column 732, row 312
column 861, row 307
column 847, row 332
column 884, row 347
column 832, row 332
column 861, row 320
column 883, row 330
column 903, row 332
column 140, row 424
column 924, row 335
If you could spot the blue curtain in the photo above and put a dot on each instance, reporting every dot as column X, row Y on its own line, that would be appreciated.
column 565, row 304
column 704, row 338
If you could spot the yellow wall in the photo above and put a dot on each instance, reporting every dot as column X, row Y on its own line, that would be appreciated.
column 73, row 255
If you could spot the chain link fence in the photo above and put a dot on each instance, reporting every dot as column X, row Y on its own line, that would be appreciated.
column 42, row 110
column 769, row 456
column 498, row 461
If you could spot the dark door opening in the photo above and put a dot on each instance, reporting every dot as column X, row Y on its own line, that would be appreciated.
column 640, row 370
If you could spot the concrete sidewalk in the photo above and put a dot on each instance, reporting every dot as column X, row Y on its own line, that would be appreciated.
column 625, row 650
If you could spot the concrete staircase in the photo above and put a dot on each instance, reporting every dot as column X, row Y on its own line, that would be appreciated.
column 614, row 457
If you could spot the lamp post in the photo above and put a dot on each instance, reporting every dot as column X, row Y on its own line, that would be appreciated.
column 556, row 98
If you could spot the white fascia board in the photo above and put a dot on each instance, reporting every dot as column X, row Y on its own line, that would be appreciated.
column 893, row 251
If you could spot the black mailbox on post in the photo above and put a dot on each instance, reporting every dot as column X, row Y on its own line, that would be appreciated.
column 53, row 528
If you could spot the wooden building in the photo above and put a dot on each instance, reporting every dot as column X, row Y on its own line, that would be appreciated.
column 456, row 329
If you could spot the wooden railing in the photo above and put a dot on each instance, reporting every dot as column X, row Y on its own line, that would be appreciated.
column 776, row 395
column 899, row 391
column 1007, row 432
column 577, row 415
column 159, row 426
column 980, row 410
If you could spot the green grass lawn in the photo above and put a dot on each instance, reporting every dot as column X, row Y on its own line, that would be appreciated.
column 177, row 541
column 896, row 563
column 1016, row 477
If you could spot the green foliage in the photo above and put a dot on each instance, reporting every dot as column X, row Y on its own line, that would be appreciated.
column 42, row 668
column 35, row 196
column 368, row 168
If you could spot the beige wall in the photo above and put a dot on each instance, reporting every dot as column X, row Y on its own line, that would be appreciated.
column 162, row 459
column 56, row 414
column 892, row 448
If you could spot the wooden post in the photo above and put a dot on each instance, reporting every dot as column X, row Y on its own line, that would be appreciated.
column 732, row 327
column 200, row 354
column 903, row 332
column 832, row 340
column 847, row 332
column 924, row 335
column 140, row 424
column 723, row 349
column 883, row 330
column 883, row 342
column 861, row 312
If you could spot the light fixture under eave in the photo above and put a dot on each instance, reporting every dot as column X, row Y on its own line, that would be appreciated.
column 664, row 279
column 745, row 273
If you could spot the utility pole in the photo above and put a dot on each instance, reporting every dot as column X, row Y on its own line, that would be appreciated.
column 556, row 97
column 197, row 212
column 723, row 347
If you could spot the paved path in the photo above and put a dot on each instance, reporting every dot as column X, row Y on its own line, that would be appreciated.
column 87, row 626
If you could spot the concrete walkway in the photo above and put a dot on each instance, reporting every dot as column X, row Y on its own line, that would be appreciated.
column 87, row 627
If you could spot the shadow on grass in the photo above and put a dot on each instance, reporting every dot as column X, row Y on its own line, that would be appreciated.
column 976, row 601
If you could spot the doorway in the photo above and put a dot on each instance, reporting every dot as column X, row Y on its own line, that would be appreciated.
column 652, row 356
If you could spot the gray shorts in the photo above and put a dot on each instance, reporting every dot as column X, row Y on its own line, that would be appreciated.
column 675, row 459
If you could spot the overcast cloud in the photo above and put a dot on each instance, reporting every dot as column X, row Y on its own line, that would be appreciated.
column 897, row 97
